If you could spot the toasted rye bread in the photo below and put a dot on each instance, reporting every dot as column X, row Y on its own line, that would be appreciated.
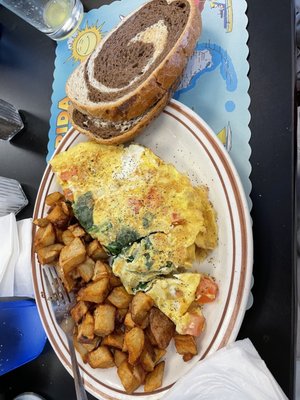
column 129, row 134
column 149, row 91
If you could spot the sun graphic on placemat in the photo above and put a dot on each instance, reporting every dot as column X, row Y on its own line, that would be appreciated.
column 84, row 42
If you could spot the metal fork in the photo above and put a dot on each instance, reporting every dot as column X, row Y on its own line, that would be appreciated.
column 62, row 302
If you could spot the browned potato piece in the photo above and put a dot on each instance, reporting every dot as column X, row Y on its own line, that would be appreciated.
column 150, row 336
column 44, row 237
column 93, row 344
column 104, row 316
column 101, row 270
column 49, row 254
column 72, row 255
column 86, row 329
column 96, row 251
column 134, row 340
column 148, row 358
column 120, row 315
column 114, row 340
column 119, row 357
column 77, row 230
column 185, row 344
column 159, row 353
column 53, row 198
column 114, row 281
column 81, row 349
column 67, row 280
column 41, row 222
column 119, row 297
column 58, row 217
column 162, row 328
column 187, row 357
column 139, row 373
column 67, row 237
column 58, row 234
column 154, row 379
column 128, row 379
column 78, row 311
column 128, row 320
column 101, row 358
column 141, row 304
column 86, row 269
column 95, row 292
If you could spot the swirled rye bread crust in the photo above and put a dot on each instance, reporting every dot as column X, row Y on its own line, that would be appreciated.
column 132, row 73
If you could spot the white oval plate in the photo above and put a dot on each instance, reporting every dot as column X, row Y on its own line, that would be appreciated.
column 180, row 137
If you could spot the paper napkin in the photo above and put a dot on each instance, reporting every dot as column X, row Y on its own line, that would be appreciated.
column 15, row 259
column 233, row 373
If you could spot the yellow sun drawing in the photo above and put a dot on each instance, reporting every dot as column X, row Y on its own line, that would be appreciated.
column 85, row 41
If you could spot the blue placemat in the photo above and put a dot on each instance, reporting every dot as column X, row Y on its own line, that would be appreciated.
column 215, row 84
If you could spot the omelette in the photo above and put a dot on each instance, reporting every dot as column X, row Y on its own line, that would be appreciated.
column 148, row 217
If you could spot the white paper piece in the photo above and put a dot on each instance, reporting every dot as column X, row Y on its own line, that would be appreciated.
column 23, row 286
column 233, row 373
column 9, row 251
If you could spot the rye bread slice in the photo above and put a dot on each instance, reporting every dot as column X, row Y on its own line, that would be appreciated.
column 137, row 63
column 112, row 133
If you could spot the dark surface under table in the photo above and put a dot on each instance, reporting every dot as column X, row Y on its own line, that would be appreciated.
column 26, row 74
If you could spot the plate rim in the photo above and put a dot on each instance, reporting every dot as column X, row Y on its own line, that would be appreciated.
column 240, row 302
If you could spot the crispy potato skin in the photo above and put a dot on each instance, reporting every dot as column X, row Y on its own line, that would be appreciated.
column 162, row 328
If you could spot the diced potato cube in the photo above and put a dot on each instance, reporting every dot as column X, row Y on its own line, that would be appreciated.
column 58, row 217
column 154, row 379
column 96, row 251
column 187, row 357
column 86, row 269
column 67, row 237
column 104, row 316
column 101, row 358
column 162, row 328
column 150, row 336
column 134, row 340
column 44, row 237
column 67, row 279
column 119, row 297
column 77, row 230
column 119, row 357
column 147, row 358
column 72, row 255
column 114, row 280
column 101, row 270
column 58, row 235
column 159, row 353
column 141, row 304
column 78, row 311
column 53, row 198
column 114, row 340
column 128, row 321
column 95, row 292
column 81, row 349
column 128, row 379
column 185, row 344
column 93, row 344
column 139, row 373
column 120, row 315
column 41, row 222
column 49, row 254
column 86, row 329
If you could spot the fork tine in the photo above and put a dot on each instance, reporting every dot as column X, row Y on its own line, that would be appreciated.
column 49, row 284
column 64, row 295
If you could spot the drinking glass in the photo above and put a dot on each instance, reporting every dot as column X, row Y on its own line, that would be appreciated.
column 56, row 18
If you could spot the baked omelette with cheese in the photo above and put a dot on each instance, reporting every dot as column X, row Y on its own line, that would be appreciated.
column 149, row 218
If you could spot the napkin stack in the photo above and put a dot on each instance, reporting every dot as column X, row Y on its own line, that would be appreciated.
column 15, row 257
column 235, row 372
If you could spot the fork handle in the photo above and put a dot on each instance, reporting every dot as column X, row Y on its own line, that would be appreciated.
column 79, row 388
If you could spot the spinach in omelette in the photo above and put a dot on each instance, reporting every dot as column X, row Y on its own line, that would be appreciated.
column 146, row 214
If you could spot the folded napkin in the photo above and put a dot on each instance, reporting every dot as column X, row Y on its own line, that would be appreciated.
column 15, row 260
column 235, row 372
